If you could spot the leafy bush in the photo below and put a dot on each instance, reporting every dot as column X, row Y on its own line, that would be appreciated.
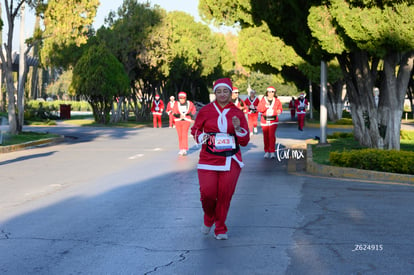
column 393, row 161
column 344, row 121
column 407, row 135
column 337, row 135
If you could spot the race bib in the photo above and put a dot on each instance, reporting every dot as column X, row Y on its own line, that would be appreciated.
column 224, row 141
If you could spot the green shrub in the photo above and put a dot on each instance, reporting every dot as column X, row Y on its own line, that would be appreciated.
column 337, row 135
column 344, row 121
column 407, row 135
column 393, row 161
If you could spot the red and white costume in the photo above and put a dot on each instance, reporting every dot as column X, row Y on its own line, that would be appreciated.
column 269, row 120
column 301, row 104
column 183, row 117
column 238, row 102
column 252, row 114
column 170, row 106
column 156, row 109
column 292, row 108
column 220, row 160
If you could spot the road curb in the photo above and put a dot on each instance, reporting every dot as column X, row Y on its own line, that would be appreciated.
column 342, row 172
column 17, row 147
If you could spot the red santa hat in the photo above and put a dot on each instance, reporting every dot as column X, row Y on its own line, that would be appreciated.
column 302, row 94
column 235, row 90
column 182, row 95
column 157, row 96
column 223, row 82
column 270, row 89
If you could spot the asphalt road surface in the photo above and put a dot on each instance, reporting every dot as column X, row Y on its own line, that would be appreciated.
column 121, row 201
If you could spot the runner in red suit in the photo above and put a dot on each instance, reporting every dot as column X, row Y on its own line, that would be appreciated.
column 184, row 112
column 156, row 109
column 169, row 109
column 270, row 108
column 221, row 128
column 292, row 108
column 301, row 105
column 252, row 115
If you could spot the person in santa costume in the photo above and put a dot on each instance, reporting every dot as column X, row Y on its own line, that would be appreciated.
column 237, row 101
column 252, row 115
column 292, row 108
column 270, row 108
column 169, row 109
column 221, row 128
column 183, row 112
column 301, row 105
column 156, row 109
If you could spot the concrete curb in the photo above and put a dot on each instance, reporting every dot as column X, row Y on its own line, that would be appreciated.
column 342, row 172
column 17, row 147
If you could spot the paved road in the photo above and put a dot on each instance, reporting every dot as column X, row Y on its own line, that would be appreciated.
column 120, row 201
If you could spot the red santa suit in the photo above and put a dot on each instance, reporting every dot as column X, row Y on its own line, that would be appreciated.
column 301, row 105
column 269, row 120
column 220, row 159
column 170, row 106
column 292, row 108
column 183, row 117
column 156, row 109
column 252, row 114
column 238, row 102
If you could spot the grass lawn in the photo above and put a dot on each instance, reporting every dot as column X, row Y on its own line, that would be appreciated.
column 320, row 154
column 24, row 137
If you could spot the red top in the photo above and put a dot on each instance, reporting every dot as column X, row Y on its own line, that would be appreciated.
column 251, row 106
column 214, row 119
column 270, row 111
column 184, row 112
column 301, row 105
column 157, row 107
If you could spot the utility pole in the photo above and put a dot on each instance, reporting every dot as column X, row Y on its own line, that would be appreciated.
column 323, row 109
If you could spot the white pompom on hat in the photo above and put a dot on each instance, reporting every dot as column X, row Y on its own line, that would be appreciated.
column 223, row 82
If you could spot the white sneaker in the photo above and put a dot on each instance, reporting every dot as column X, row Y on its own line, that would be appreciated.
column 205, row 229
column 255, row 130
column 272, row 155
column 181, row 153
column 266, row 155
column 184, row 152
column 221, row 236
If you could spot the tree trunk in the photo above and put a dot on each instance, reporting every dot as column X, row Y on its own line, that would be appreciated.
column 360, row 82
column 336, row 97
column 22, row 74
column 392, row 95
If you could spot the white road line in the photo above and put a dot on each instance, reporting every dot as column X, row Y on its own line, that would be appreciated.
column 136, row 156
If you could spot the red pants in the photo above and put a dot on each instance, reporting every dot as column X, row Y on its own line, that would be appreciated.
column 171, row 120
column 156, row 119
column 182, row 127
column 252, row 120
column 216, row 190
column 301, row 121
column 292, row 114
column 269, row 137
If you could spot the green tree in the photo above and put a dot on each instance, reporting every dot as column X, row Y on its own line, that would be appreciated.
column 188, row 53
column 67, row 26
column 364, row 36
column 127, row 38
column 100, row 77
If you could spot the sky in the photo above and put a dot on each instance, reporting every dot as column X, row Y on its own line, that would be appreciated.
column 189, row 6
